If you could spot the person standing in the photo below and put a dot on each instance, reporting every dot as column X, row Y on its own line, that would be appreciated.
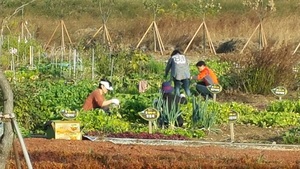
column 96, row 99
column 205, row 78
column 180, row 72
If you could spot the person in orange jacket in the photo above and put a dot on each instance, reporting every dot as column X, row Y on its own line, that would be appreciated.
column 205, row 78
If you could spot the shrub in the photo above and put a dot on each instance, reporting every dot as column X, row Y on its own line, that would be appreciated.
column 267, row 69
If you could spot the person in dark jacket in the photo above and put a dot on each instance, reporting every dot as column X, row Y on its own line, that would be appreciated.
column 169, row 99
column 180, row 72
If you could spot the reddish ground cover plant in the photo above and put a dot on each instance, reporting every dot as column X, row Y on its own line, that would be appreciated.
column 84, row 154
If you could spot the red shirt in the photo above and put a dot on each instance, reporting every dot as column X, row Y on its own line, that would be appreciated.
column 94, row 100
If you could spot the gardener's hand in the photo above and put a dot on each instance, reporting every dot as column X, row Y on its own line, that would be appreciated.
column 115, row 101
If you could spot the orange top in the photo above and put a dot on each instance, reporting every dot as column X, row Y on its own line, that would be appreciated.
column 94, row 100
column 208, row 76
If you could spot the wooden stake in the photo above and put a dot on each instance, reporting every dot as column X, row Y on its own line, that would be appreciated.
column 95, row 35
column 67, row 33
column 212, row 48
column 145, row 34
column 263, row 38
column 193, row 37
column 205, row 31
column 231, row 132
column 160, row 44
column 106, row 35
column 156, row 36
column 52, row 36
column 63, row 29
column 150, row 127
column 296, row 48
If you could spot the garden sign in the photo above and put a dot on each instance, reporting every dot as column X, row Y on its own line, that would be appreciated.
column 149, row 114
column 279, row 91
column 214, row 89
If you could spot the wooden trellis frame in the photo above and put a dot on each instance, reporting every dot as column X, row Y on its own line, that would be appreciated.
column 211, row 46
column 156, row 37
column 262, row 37
column 106, row 35
column 63, row 31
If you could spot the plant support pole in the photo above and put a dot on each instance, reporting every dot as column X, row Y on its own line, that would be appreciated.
column 93, row 63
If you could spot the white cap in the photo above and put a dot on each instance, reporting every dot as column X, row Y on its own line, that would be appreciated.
column 106, row 85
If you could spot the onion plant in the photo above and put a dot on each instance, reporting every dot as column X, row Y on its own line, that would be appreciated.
column 202, row 117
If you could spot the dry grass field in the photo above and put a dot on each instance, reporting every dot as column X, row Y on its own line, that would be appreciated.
column 280, row 28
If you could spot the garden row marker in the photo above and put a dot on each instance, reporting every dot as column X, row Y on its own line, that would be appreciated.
column 12, row 118
column 279, row 91
column 149, row 114
column 214, row 89
column 232, row 118
column 205, row 31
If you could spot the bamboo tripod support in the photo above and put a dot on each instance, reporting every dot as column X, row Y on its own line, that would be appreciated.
column 106, row 35
column 156, row 37
column 262, row 37
column 211, row 46
column 63, row 31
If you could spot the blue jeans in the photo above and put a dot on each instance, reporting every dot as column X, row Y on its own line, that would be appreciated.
column 185, row 85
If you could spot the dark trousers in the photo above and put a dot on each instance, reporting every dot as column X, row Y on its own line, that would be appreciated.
column 203, row 90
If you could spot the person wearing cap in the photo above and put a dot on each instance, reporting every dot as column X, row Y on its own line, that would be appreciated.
column 169, row 99
column 180, row 72
column 205, row 78
column 96, row 99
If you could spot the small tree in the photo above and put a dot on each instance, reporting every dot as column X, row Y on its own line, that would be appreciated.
column 7, row 139
column 202, row 8
column 156, row 7
column 262, row 9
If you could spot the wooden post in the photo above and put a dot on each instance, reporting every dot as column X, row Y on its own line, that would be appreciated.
column 214, row 97
column 150, row 127
column 231, row 131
